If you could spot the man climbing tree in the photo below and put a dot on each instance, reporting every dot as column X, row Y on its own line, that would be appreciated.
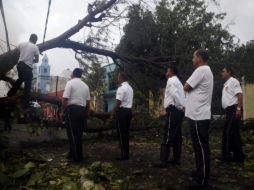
column 29, row 54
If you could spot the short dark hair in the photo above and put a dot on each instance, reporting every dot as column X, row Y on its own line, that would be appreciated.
column 229, row 69
column 203, row 53
column 123, row 75
column 33, row 38
column 77, row 72
column 173, row 68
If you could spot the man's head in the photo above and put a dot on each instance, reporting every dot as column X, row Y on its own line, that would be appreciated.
column 121, row 77
column 172, row 71
column 200, row 57
column 227, row 72
column 77, row 73
column 33, row 38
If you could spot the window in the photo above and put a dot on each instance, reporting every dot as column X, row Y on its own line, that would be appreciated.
column 45, row 70
column 112, row 84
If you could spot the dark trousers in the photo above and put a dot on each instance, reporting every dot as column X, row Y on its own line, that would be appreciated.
column 200, row 141
column 123, row 125
column 74, row 121
column 231, row 139
column 25, row 75
column 172, row 134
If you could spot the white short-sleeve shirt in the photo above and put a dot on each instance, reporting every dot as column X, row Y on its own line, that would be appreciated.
column 174, row 94
column 77, row 92
column 124, row 93
column 199, row 98
column 27, row 52
column 231, row 88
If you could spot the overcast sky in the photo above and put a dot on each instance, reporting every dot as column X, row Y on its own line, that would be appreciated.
column 28, row 16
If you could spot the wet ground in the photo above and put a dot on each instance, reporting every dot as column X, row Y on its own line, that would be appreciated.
column 53, row 145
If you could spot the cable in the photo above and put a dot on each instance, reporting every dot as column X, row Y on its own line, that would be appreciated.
column 46, row 23
column 5, row 25
column 6, row 43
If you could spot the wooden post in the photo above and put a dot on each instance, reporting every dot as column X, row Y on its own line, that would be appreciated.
column 56, row 85
column 244, row 97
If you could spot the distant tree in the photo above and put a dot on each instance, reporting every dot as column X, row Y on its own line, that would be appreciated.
column 242, row 61
column 169, row 36
column 94, row 77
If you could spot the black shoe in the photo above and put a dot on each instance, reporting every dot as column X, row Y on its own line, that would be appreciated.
column 194, row 173
column 239, row 161
column 174, row 162
column 223, row 159
column 160, row 165
column 196, row 186
column 122, row 158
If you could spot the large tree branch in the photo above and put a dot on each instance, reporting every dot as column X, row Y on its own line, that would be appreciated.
column 83, row 47
column 9, row 60
column 7, row 79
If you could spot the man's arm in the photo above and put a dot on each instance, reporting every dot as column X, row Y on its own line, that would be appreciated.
column 115, row 109
column 36, row 59
column 194, row 80
column 187, row 87
column 36, row 55
column 239, row 105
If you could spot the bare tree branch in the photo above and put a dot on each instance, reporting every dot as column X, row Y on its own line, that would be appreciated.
column 83, row 47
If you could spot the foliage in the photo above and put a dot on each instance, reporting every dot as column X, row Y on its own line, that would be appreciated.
column 28, row 171
column 94, row 78
column 241, row 59
column 4, row 141
column 94, row 122
column 170, row 35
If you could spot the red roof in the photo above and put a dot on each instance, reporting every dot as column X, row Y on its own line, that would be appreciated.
column 59, row 93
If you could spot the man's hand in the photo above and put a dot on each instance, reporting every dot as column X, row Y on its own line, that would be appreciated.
column 186, row 87
column 112, row 116
column 61, row 116
column 238, row 114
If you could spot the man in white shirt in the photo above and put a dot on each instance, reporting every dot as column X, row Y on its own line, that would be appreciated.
column 174, row 103
column 232, row 103
column 199, row 89
column 123, row 113
column 28, row 55
column 75, row 106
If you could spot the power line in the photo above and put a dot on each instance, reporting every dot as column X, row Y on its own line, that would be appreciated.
column 5, row 25
column 6, row 43
column 46, row 23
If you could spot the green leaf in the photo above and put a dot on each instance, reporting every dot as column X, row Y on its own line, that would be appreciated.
column 20, row 173
column 29, row 165
column 83, row 171
column 35, row 179
column 2, row 167
column 69, row 186
column 88, row 185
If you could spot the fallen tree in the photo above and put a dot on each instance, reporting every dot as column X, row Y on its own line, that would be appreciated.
column 103, row 116
column 9, row 59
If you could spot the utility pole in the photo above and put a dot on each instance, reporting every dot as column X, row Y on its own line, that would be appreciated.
column 5, row 25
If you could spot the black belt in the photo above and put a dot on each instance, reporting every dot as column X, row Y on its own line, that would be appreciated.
column 123, row 108
column 73, row 105
column 231, row 107
column 171, row 108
